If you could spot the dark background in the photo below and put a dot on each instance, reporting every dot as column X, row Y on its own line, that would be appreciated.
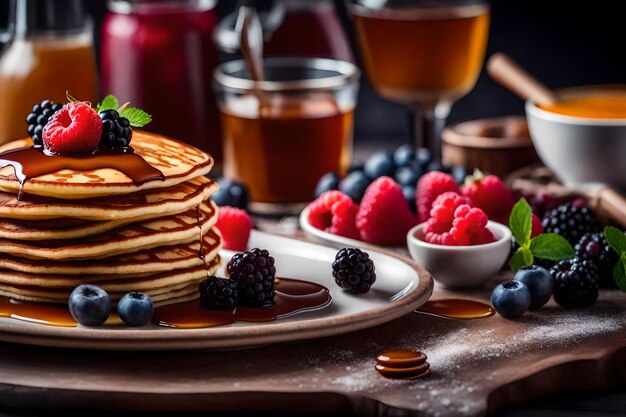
column 563, row 43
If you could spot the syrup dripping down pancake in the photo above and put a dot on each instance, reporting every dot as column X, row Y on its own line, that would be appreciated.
column 143, row 262
column 178, row 162
column 170, row 230
column 122, row 209
column 176, row 285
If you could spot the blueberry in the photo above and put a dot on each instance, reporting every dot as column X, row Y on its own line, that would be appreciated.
column 511, row 299
column 31, row 118
column 327, row 182
column 459, row 173
column 380, row 164
column 135, row 308
column 354, row 185
column 46, row 104
column 539, row 283
column 423, row 157
column 56, row 107
column 408, row 176
column 405, row 155
column 38, row 130
column 31, row 129
column 231, row 193
column 438, row 166
column 46, row 113
column 36, row 108
column 409, row 196
column 41, row 119
column 90, row 305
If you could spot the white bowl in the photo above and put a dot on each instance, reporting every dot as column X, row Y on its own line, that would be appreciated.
column 580, row 150
column 461, row 266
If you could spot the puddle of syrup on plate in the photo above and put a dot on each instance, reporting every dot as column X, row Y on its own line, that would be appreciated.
column 402, row 364
column 292, row 297
column 457, row 309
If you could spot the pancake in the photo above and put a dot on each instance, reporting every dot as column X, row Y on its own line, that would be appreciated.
column 161, row 287
column 177, row 161
column 123, row 209
column 171, row 230
column 147, row 261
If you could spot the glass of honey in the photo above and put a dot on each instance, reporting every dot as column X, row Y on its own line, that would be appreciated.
column 281, row 134
column 425, row 54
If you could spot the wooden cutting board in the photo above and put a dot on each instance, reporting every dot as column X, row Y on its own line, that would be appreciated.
column 478, row 367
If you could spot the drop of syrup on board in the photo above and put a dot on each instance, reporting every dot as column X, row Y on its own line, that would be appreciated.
column 457, row 309
column 402, row 364
column 293, row 296
column 32, row 162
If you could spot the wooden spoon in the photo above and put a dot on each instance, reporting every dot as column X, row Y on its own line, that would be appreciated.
column 507, row 72
column 251, row 36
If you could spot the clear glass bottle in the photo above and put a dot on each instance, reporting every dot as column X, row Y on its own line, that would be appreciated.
column 49, row 51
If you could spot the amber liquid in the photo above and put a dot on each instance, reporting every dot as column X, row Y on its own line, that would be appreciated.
column 32, row 70
column 457, row 309
column 292, row 297
column 595, row 106
column 402, row 364
column 423, row 55
column 281, row 149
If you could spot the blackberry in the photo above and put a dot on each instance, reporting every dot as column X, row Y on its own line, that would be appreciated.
column 575, row 283
column 218, row 293
column 116, row 130
column 595, row 248
column 254, row 272
column 353, row 270
column 570, row 221
column 37, row 119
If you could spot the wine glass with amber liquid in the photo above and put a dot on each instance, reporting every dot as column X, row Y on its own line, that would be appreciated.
column 425, row 54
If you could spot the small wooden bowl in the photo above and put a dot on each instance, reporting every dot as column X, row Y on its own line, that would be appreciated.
column 496, row 146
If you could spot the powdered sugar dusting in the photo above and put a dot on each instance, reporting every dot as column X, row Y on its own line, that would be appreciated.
column 452, row 387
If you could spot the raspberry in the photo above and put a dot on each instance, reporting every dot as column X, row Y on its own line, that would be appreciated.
column 468, row 227
column 429, row 187
column 218, row 293
column 491, row 195
column 235, row 225
column 384, row 217
column 74, row 129
column 537, row 228
column 353, row 270
column 255, row 273
column 334, row 212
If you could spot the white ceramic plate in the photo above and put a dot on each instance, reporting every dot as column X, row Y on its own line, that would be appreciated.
column 400, row 288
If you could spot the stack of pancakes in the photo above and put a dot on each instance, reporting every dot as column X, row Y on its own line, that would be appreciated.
column 98, row 226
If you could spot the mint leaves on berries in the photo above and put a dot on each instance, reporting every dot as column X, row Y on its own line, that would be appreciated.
column 617, row 242
column 136, row 116
column 550, row 246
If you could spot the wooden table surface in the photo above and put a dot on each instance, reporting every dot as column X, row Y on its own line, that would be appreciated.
column 479, row 367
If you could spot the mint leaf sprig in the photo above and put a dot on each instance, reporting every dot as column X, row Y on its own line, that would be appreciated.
column 136, row 116
column 550, row 246
column 617, row 242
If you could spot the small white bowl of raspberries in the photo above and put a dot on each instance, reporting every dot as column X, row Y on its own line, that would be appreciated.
column 457, row 242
